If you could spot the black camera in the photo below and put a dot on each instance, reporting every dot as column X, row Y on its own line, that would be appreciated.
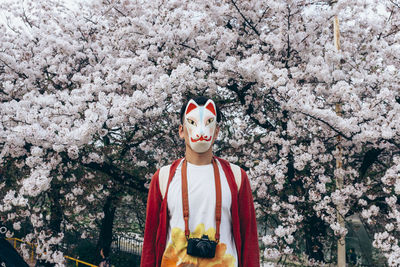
column 201, row 247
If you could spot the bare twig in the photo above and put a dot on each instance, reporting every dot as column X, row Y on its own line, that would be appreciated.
column 245, row 19
column 330, row 126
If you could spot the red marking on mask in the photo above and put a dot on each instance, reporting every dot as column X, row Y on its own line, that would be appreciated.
column 211, row 108
column 190, row 108
column 201, row 139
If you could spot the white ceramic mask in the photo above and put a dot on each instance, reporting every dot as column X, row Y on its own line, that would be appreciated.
column 200, row 122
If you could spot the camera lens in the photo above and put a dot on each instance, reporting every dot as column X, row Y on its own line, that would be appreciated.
column 203, row 247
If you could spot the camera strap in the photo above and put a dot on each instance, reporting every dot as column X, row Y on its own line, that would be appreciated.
column 185, row 199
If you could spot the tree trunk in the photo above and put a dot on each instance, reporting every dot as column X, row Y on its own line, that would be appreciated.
column 56, row 211
column 106, row 228
column 315, row 228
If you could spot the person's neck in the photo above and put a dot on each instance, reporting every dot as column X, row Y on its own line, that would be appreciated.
column 198, row 158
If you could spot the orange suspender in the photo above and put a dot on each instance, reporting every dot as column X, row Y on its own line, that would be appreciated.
column 185, row 199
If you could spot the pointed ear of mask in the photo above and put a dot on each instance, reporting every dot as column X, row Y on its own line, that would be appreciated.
column 191, row 106
column 210, row 105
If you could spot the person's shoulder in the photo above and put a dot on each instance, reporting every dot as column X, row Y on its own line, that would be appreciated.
column 233, row 166
column 163, row 175
column 164, row 170
column 236, row 170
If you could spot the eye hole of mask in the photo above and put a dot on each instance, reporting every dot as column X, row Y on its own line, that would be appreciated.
column 210, row 120
column 191, row 122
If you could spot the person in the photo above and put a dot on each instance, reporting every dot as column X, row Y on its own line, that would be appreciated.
column 104, row 253
column 200, row 209
column 351, row 257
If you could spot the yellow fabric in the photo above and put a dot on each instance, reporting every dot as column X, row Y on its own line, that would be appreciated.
column 175, row 253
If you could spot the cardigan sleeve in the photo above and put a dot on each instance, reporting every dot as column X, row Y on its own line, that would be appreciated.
column 154, row 201
column 250, row 252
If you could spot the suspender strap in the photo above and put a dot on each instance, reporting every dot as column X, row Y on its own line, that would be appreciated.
column 185, row 199
column 218, row 199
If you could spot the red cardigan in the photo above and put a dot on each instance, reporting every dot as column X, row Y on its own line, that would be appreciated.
column 244, row 224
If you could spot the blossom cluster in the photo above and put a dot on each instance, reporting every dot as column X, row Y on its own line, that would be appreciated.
column 90, row 99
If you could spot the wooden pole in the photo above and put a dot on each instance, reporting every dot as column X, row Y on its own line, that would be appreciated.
column 341, row 245
column 32, row 253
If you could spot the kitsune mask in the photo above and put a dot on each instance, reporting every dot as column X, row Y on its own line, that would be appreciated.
column 200, row 122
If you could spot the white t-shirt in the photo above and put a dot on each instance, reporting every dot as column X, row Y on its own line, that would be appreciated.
column 202, row 200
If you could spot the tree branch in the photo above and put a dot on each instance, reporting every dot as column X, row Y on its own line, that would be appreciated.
column 118, row 175
column 330, row 126
column 245, row 19
column 249, row 111
column 369, row 158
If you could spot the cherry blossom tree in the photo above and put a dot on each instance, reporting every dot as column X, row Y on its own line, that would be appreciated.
column 90, row 101
column 72, row 120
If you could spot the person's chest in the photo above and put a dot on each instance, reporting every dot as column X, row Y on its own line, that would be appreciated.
column 201, row 194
